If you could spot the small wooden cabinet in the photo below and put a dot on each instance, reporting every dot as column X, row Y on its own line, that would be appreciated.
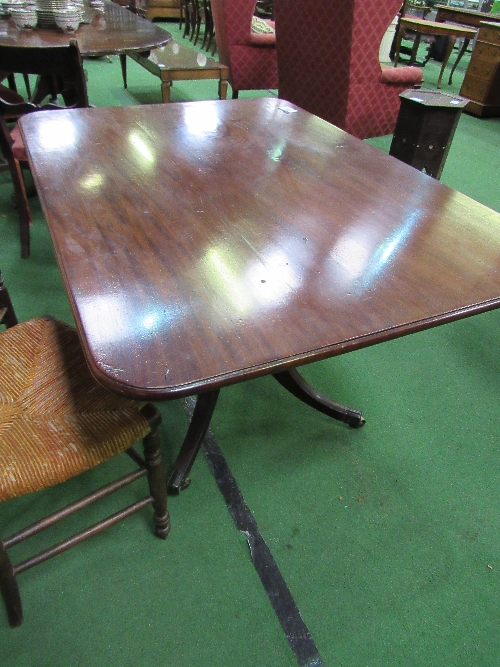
column 155, row 9
column 482, row 79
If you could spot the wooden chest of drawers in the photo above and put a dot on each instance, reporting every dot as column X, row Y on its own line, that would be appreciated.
column 482, row 80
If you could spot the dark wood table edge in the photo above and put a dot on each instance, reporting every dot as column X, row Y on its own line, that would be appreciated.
column 272, row 367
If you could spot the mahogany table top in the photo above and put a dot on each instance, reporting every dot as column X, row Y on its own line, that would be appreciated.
column 205, row 243
column 117, row 31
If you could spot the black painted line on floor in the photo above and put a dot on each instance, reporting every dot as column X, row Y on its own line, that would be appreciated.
column 284, row 605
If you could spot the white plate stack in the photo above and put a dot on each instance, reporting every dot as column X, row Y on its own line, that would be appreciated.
column 47, row 10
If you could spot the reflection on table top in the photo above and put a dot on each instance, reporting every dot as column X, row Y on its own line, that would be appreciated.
column 210, row 242
column 117, row 31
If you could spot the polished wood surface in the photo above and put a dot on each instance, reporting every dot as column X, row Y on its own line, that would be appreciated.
column 117, row 31
column 207, row 243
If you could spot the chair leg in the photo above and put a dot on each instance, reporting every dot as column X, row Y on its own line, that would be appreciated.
column 198, row 28
column 23, row 209
column 10, row 590
column 187, row 15
column 210, row 31
column 198, row 17
column 205, row 34
column 156, row 472
column 192, row 29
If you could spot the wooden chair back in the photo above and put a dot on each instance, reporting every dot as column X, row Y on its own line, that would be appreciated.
column 59, row 68
column 60, row 74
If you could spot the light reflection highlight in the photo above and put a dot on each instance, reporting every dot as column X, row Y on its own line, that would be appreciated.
column 227, row 281
column 276, row 152
column 201, row 59
column 201, row 119
column 351, row 252
column 142, row 147
column 108, row 319
column 362, row 259
column 386, row 250
column 54, row 133
column 266, row 282
column 92, row 181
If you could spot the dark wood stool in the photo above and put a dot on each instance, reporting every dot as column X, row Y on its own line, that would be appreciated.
column 424, row 129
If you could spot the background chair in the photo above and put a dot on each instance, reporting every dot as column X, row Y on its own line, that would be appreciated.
column 203, row 15
column 55, row 423
column 251, row 57
column 328, row 62
column 60, row 77
column 408, row 7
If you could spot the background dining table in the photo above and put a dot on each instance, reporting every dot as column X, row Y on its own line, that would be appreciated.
column 115, row 31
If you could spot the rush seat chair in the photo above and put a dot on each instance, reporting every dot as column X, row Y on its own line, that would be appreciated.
column 56, row 422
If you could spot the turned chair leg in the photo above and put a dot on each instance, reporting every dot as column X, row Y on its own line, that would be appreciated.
column 156, row 472
column 10, row 590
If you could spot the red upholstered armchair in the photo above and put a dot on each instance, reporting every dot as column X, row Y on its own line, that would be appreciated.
column 251, row 57
column 328, row 62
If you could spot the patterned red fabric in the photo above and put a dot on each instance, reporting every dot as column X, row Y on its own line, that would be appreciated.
column 266, row 39
column 404, row 75
column 328, row 62
column 252, row 66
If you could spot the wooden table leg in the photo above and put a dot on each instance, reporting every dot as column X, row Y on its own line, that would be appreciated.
column 222, row 88
column 449, row 49
column 459, row 57
column 123, row 63
column 414, row 50
column 166, row 84
column 296, row 385
column 198, row 427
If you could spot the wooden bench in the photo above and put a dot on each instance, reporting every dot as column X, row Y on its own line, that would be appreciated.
column 176, row 62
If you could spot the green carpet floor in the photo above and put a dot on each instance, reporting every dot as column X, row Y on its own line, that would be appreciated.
column 388, row 536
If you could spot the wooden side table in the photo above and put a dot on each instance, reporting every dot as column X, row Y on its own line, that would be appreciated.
column 425, row 128
column 422, row 27
column 482, row 79
column 176, row 62
column 463, row 16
